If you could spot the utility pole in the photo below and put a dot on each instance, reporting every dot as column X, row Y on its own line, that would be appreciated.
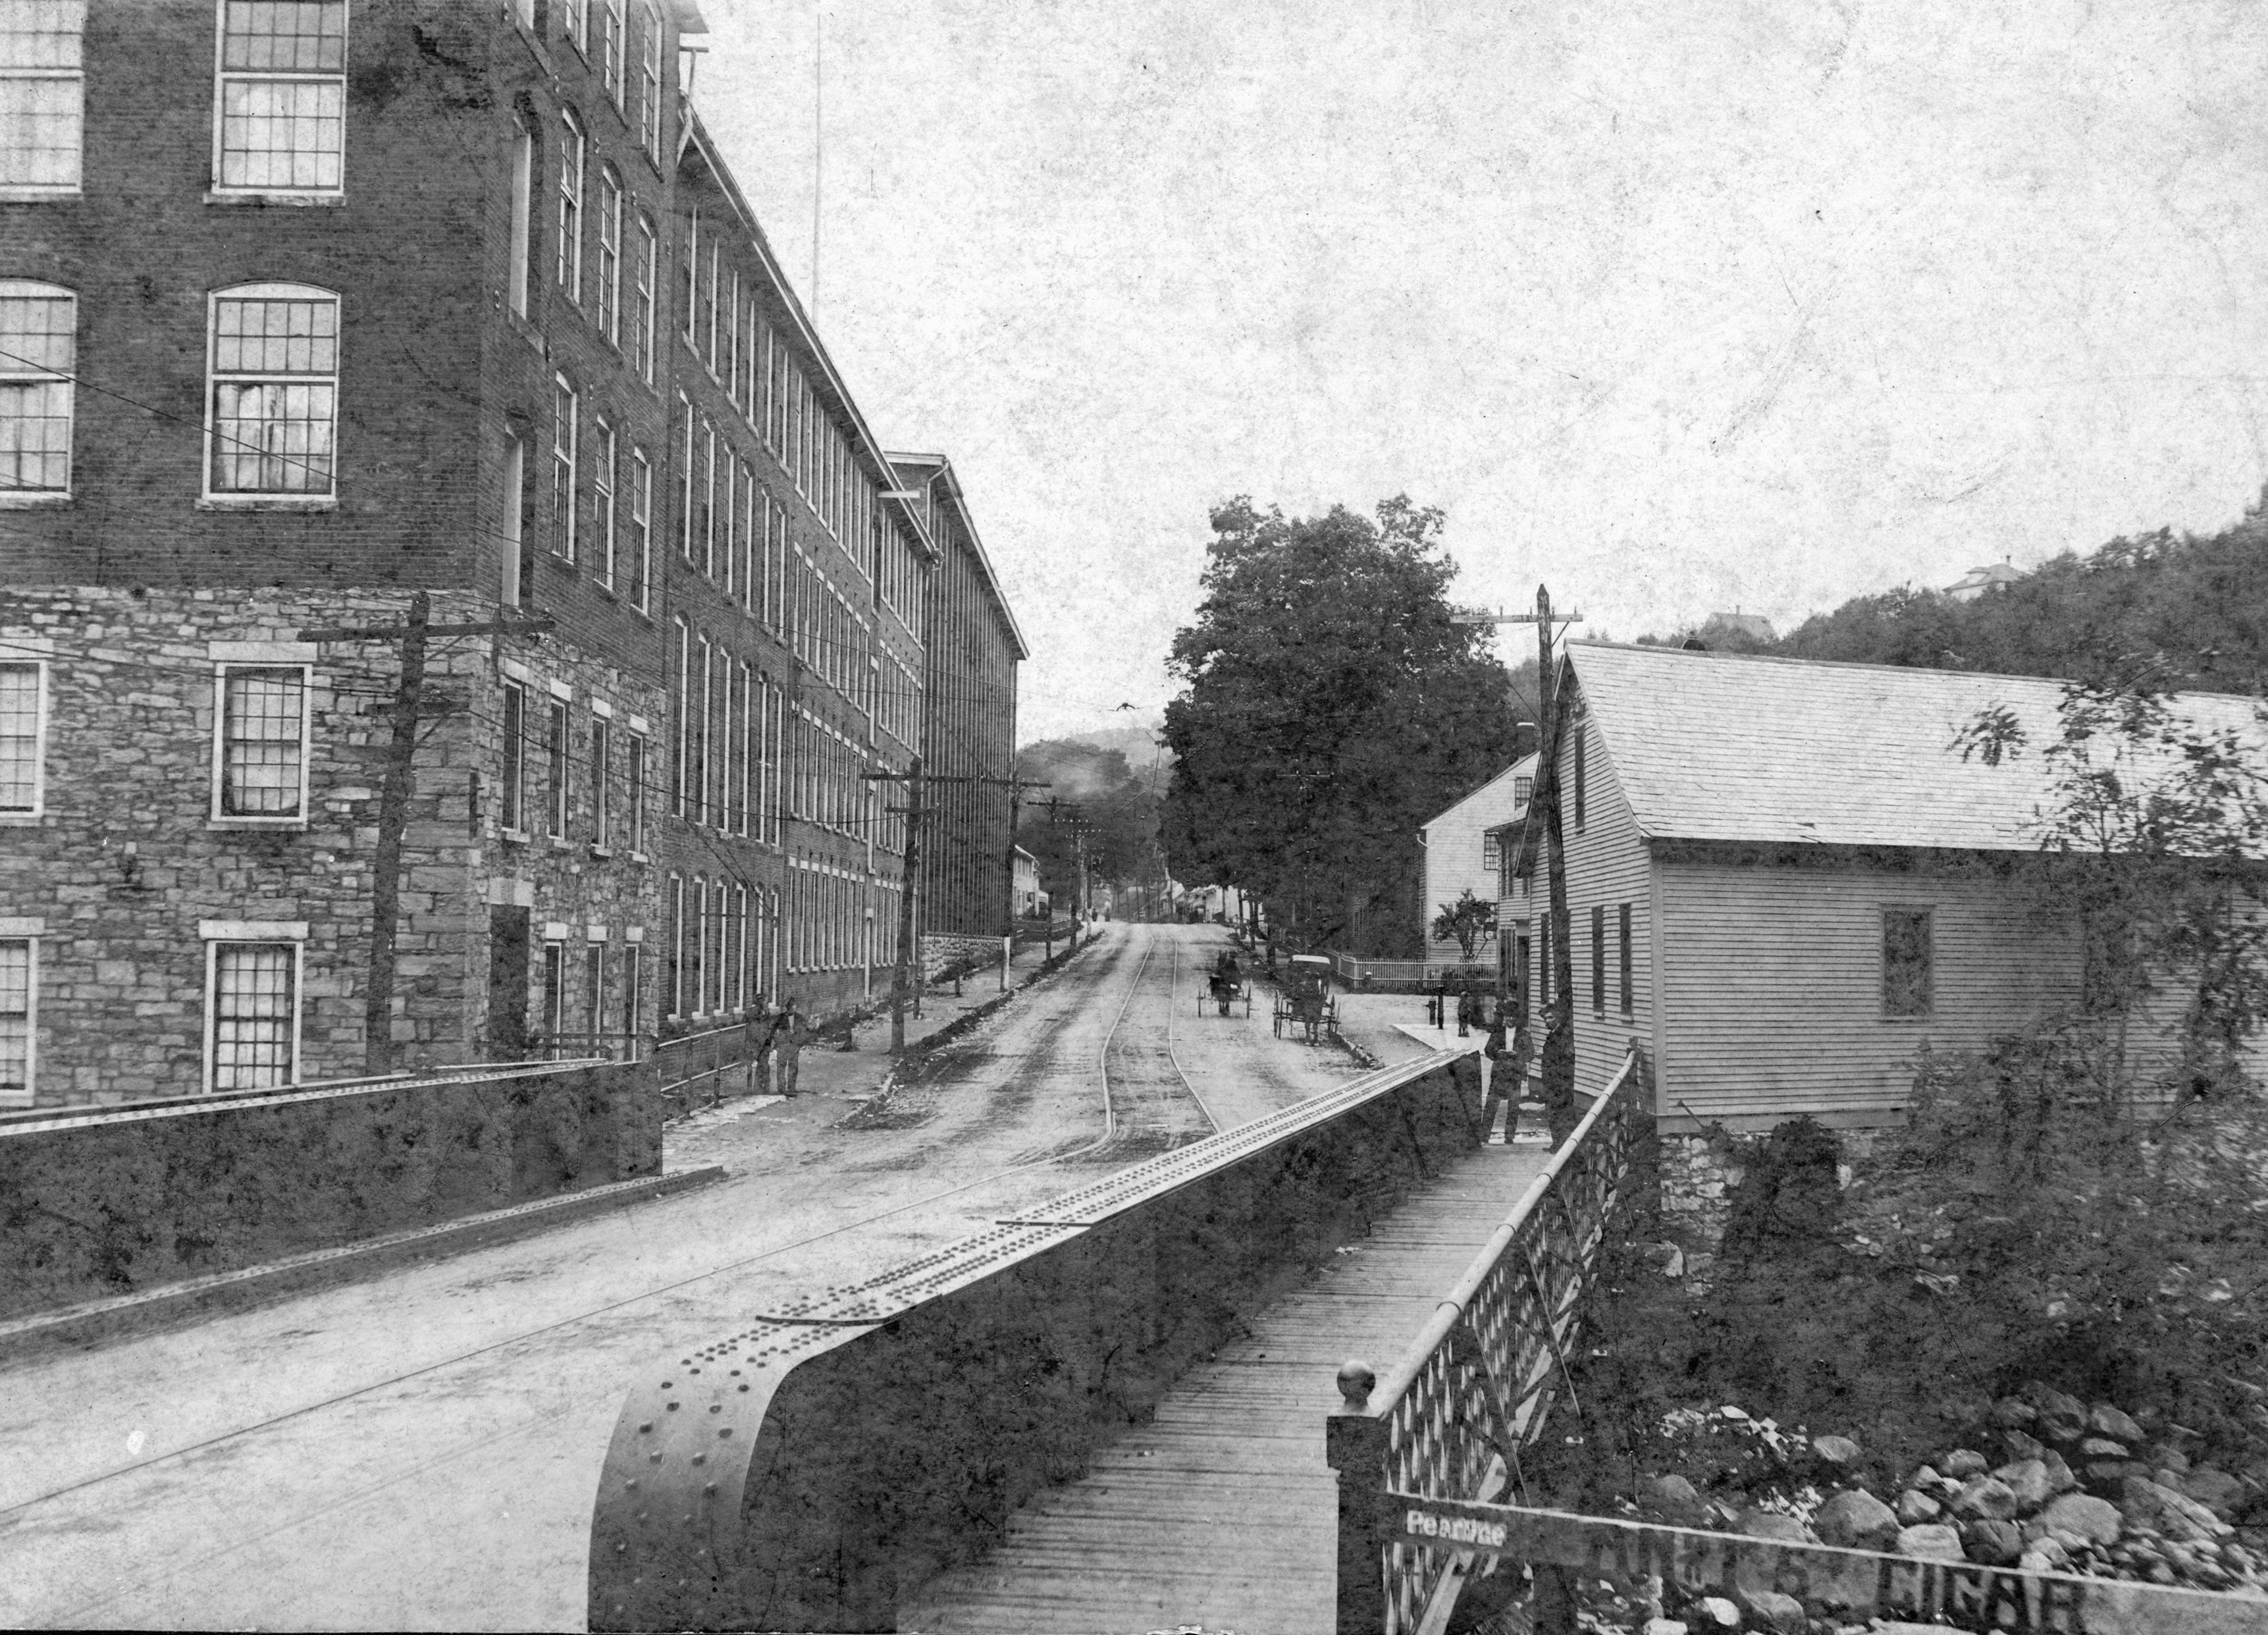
column 1558, row 1012
column 409, row 707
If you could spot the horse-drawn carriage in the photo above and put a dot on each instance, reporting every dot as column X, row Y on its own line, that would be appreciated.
column 1304, row 1000
column 1225, row 984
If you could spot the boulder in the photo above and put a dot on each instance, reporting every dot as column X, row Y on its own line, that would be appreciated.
column 2166, row 1456
column 2061, row 1479
column 1992, row 1543
column 1768, row 1610
column 1672, row 1498
column 2216, row 1490
column 1837, row 1453
column 2012, row 1413
column 1926, row 1478
column 2100, row 1447
column 2144, row 1503
column 1772, row 1524
column 1664, row 1626
column 1933, row 1541
column 1963, row 1463
column 2094, row 1520
column 2021, row 1446
column 2104, row 1420
column 2058, row 1418
column 1714, row 1612
column 2028, row 1480
column 1987, row 1499
column 2109, row 1477
column 1856, row 1519
column 2044, row 1555
column 1915, row 1508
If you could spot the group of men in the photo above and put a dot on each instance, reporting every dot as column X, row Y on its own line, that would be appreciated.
column 1507, row 1057
column 776, row 1044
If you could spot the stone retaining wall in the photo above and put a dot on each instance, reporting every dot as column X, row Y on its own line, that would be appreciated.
column 110, row 1201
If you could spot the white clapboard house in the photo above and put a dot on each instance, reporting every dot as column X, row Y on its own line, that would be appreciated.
column 1461, row 854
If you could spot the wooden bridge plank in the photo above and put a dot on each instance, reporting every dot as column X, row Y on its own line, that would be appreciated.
column 1221, row 1510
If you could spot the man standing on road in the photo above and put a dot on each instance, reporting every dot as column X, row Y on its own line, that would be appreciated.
column 788, row 1032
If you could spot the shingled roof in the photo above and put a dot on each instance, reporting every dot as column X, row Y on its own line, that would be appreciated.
column 1733, row 747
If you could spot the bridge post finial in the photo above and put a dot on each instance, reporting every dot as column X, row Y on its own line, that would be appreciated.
column 1356, row 1381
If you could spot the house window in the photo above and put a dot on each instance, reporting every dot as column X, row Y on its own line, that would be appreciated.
column 594, row 994
column 570, row 205
column 272, row 411
column 1907, row 957
column 23, row 699
column 282, row 124
column 261, row 768
column 600, row 741
column 512, row 797
column 673, row 953
column 555, row 772
column 650, row 81
column 1490, row 851
column 634, row 788
column 1523, row 789
column 641, row 541
column 1598, row 958
column 253, row 1004
column 554, row 1018
column 694, row 928
column 1582, row 779
column 645, row 259
column 633, row 996
column 523, row 205
column 602, row 497
column 39, row 325
column 41, row 94
column 1628, row 1006
column 610, row 255
column 575, row 21
column 613, row 19
column 562, row 469
column 19, row 1017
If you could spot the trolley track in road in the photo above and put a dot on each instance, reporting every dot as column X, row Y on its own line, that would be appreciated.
column 1147, row 1100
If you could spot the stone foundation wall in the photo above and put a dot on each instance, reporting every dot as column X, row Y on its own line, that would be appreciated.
column 1700, row 1172
column 940, row 953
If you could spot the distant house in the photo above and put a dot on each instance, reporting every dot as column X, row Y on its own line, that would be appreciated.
column 1783, row 880
column 1461, row 852
column 1029, row 898
column 1977, row 581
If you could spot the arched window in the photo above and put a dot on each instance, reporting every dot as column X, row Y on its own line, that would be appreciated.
column 39, row 351
column 271, row 415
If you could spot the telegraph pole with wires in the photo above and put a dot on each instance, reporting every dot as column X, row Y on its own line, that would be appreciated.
column 410, row 706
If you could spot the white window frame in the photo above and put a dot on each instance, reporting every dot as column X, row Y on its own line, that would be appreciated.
column 269, row 499
column 616, row 23
column 28, row 931
column 551, row 976
column 512, row 774
column 641, row 526
column 602, row 750
column 219, row 934
column 75, row 74
column 574, row 150
column 16, row 370
column 523, row 224
column 217, row 816
column 637, row 761
column 566, row 411
column 645, row 274
column 12, row 657
column 559, row 767
column 650, row 86
column 610, row 255
column 602, row 497
column 224, row 192
column 576, row 24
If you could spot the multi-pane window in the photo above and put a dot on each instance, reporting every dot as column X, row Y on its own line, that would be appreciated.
column 255, row 1014
column 602, row 497
column 640, row 552
column 1522, row 789
column 633, row 999
column 1490, row 845
column 577, row 23
column 280, row 125
column 18, row 1019
column 554, row 1018
column 562, row 469
column 673, row 950
column 523, row 204
column 612, row 21
column 595, row 992
column 570, row 205
column 511, row 793
column 1907, row 957
column 555, row 772
column 41, row 94
column 650, row 79
column 39, row 325
column 610, row 256
column 20, row 700
column 273, row 410
column 601, row 737
column 261, row 769
column 634, row 773
column 645, row 259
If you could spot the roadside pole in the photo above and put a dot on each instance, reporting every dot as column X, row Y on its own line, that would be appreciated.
column 906, row 876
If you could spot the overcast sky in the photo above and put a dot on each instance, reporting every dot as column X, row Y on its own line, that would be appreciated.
column 1676, row 307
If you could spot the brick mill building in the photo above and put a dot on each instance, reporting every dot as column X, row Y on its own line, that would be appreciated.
column 321, row 319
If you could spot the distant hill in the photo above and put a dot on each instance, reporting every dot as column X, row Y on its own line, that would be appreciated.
column 1137, row 744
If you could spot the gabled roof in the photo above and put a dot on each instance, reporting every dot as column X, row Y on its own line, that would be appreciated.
column 1496, row 798
column 1732, row 746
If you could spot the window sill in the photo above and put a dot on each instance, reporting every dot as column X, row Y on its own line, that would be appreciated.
column 22, row 820
column 558, row 842
column 269, row 502
column 640, row 858
column 512, row 836
column 601, row 852
column 287, row 197
column 37, row 501
column 39, row 195
column 224, row 824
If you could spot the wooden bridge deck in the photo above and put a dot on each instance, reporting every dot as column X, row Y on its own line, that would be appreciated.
column 1221, row 1512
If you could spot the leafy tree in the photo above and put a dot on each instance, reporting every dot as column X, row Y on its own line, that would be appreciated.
column 1467, row 922
column 1332, row 705
column 1117, row 817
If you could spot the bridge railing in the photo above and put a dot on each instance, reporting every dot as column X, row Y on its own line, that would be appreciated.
column 1451, row 1418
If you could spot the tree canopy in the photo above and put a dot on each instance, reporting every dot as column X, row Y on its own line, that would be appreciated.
column 1332, row 706
column 1117, row 811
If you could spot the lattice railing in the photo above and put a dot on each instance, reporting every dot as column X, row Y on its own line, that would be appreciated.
column 1452, row 1419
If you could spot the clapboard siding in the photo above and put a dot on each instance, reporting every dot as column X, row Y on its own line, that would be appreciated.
column 1774, row 983
column 1606, row 868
